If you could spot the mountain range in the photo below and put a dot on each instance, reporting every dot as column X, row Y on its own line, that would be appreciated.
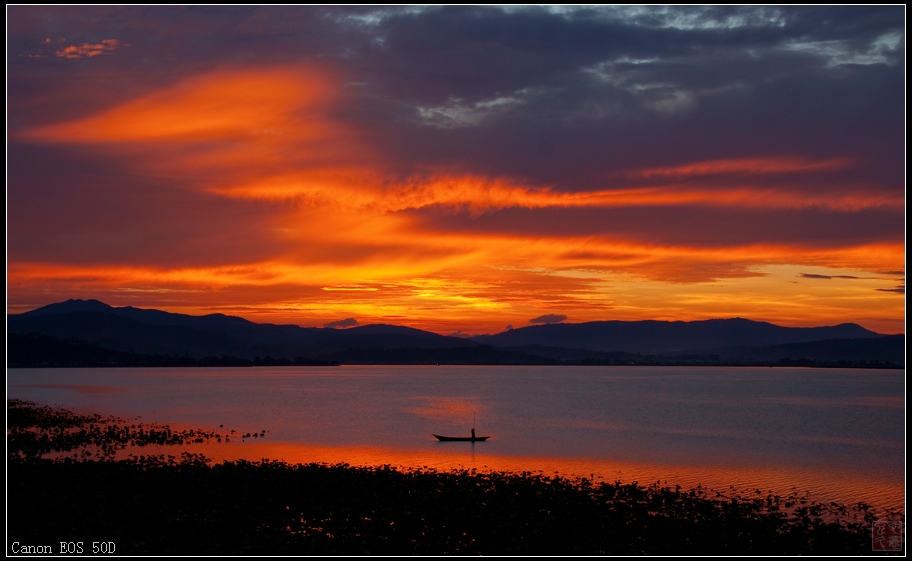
column 716, row 341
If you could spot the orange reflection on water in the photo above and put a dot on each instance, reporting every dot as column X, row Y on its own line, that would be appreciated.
column 455, row 410
column 821, row 485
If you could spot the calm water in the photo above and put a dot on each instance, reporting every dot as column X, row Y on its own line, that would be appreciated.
column 836, row 433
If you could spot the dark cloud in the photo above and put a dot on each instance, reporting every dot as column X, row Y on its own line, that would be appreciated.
column 561, row 98
column 342, row 323
column 897, row 290
column 813, row 276
column 548, row 318
column 689, row 225
column 556, row 96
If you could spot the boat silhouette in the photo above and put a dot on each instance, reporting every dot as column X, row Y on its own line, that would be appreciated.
column 472, row 438
column 460, row 438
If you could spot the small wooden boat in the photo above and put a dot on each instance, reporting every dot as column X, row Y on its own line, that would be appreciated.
column 472, row 438
column 460, row 438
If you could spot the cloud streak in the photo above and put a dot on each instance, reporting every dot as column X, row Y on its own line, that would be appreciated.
column 548, row 318
column 87, row 50
column 342, row 323
column 827, row 277
column 897, row 290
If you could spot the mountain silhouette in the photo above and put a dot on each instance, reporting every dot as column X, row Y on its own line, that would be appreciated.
column 154, row 331
column 730, row 341
column 664, row 337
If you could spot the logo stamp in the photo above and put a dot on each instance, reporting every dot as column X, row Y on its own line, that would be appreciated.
column 887, row 536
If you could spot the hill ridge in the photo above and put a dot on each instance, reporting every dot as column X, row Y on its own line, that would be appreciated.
column 150, row 331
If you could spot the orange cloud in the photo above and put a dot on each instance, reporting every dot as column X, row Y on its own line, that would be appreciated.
column 223, row 105
column 494, row 281
column 266, row 134
column 742, row 166
column 351, row 189
column 340, row 245
column 88, row 50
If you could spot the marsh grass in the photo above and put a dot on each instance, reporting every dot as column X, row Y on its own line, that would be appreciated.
column 187, row 505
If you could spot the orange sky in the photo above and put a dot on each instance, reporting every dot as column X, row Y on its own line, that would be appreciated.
column 258, row 190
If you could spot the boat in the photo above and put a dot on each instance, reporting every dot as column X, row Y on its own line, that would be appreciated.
column 460, row 438
column 472, row 438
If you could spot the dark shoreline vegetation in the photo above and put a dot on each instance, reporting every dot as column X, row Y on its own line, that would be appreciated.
column 184, row 504
column 37, row 350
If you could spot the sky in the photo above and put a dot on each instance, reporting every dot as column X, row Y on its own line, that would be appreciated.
column 461, row 170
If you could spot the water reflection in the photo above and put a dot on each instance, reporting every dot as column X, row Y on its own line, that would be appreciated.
column 79, row 388
column 837, row 433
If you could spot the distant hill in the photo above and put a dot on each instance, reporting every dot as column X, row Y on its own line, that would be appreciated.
column 669, row 337
column 37, row 350
column 157, row 333
column 153, row 331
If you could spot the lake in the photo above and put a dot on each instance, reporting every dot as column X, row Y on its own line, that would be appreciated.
column 837, row 434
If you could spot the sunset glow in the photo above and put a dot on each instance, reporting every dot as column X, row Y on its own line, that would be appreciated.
column 303, row 181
